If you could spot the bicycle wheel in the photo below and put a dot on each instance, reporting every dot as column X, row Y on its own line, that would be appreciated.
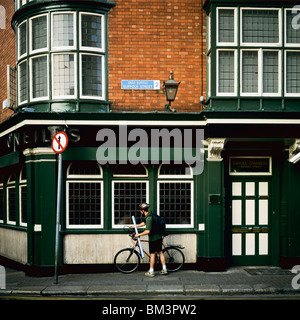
column 127, row 260
column 174, row 258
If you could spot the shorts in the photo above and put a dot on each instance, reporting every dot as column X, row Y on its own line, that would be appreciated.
column 155, row 246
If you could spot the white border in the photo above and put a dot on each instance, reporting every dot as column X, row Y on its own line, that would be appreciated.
column 260, row 79
column 24, row 54
column 119, row 226
column 81, row 226
column 177, row 226
column 228, row 94
column 73, row 96
column 12, row 186
column 285, row 72
column 19, row 87
column 257, row 44
column 23, row 224
column 31, row 77
column 103, row 77
column 251, row 173
column 1, row 199
column 62, row 48
column 227, row 44
column 102, row 49
column 288, row 44
column 31, row 51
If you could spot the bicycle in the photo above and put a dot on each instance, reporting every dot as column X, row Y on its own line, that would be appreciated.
column 127, row 260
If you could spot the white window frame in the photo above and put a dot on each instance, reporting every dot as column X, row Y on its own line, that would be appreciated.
column 23, row 224
column 119, row 226
column 251, row 44
column 225, row 94
column 25, row 101
column 287, row 44
column 30, row 35
column 227, row 44
column 62, row 48
column 19, row 37
column 75, row 76
column 84, row 226
column 102, row 49
column 285, row 80
column 1, row 199
column 177, row 226
column 103, row 77
column 251, row 173
column 31, row 77
column 260, row 74
column 22, row 184
column 10, row 185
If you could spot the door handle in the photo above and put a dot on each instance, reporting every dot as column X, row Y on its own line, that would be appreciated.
column 250, row 229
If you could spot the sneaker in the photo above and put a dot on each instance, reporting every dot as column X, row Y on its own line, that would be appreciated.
column 163, row 271
column 149, row 274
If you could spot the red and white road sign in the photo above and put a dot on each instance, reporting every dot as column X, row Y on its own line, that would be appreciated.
column 59, row 142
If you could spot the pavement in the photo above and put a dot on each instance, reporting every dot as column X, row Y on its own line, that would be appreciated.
column 235, row 282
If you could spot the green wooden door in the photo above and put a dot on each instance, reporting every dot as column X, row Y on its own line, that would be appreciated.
column 250, row 221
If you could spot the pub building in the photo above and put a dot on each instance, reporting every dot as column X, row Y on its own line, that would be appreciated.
column 233, row 201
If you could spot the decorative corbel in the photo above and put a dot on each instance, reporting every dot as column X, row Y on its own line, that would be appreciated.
column 215, row 147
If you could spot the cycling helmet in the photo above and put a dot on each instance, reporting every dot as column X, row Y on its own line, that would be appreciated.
column 144, row 206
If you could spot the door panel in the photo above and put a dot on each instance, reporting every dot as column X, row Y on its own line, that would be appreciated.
column 250, row 209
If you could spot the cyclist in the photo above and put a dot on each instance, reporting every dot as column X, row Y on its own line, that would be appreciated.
column 155, row 240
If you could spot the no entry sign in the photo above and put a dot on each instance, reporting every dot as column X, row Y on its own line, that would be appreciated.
column 59, row 142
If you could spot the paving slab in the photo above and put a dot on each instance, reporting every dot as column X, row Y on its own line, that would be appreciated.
column 236, row 289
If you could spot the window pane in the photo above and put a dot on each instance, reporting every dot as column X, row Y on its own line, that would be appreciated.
column 63, row 30
column 12, row 204
column 127, row 196
column 22, row 39
column 129, row 169
column 270, row 72
column 226, row 72
column 175, row 202
column 85, row 203
column 63, row 75
column 1, row 205
column 260, row 26
column 39, row 77
column 250, row 71
column 293, row 72
column 292, row 33
column 23, row 81
column 91, row 75
column 226, row 25
column 175, row 169
column 85, row 168
column 23, row 191
column 39, row 33
column 91, row 31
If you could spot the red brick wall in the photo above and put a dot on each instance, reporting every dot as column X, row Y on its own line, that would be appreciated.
column 149, row 38
column 7, row 54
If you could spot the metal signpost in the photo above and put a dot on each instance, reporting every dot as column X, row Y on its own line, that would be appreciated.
column 139, row 240
column 59, row 144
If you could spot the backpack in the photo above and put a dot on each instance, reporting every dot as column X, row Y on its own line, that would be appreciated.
column 158, row 224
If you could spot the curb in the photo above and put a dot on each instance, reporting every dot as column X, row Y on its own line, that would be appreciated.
column 151, row 290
